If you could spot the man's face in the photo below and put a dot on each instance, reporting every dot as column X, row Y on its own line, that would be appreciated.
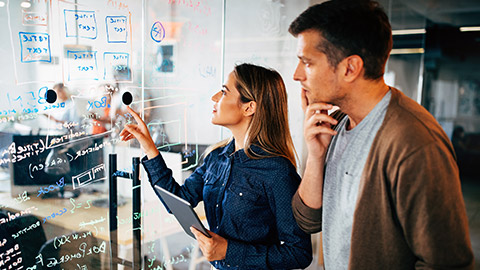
column 319, row 80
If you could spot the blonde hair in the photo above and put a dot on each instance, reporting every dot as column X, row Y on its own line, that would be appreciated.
column 269, row 128
column 60, row 87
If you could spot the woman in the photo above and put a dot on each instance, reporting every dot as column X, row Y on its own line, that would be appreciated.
column 247, row 182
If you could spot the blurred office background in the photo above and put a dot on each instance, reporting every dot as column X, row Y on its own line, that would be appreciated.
column 172, row 56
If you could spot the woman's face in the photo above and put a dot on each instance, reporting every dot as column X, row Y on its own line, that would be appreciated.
column 228, row 111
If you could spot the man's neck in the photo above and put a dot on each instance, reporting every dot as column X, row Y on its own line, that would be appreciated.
column 363, row 97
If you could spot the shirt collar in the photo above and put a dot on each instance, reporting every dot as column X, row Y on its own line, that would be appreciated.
column 229, row 149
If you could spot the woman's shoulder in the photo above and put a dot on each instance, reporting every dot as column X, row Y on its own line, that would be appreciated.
column 215, row 150
column 280, row 163
column 218, row 148
column 270, row 159
column 273, row 167
column 276, row 173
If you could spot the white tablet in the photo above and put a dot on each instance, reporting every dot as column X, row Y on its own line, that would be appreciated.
column 182, row 210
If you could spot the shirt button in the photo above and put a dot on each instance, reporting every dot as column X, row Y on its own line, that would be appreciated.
column 241, row 194
column 216, row 205
column 223, row 185
column 206, row 181
column 217, row 227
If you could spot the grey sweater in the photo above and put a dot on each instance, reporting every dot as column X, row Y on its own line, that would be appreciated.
column 410, row 211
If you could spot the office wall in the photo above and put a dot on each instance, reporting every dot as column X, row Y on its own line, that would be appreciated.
column 257, row 32
column 172, row 56
column 166, row 54
column 454, row 94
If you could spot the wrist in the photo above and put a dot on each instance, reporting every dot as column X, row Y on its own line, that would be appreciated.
column 152, row 154
column 316, row 157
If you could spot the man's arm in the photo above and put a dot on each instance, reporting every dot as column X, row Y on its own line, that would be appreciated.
column 431, row 209
column 318, row 132
column 307, row 201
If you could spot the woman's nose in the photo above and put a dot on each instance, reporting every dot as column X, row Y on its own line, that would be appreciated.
column 215, row 97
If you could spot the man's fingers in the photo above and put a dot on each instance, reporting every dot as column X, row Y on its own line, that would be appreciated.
column 317, row 108
column 320, row 118
column 304, row 100
column 318, row 130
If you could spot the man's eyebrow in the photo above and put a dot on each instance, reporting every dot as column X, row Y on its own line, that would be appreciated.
column 303, row 58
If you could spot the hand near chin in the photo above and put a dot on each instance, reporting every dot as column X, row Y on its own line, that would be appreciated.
column 140, row 132
column 317, row 127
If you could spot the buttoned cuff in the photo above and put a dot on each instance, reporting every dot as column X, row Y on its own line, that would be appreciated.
column 235, row 253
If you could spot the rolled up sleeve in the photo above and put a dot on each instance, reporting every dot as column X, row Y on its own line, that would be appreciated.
column 308, row 219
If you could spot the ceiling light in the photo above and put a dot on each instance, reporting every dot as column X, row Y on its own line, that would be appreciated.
column 25, row 4
column 470, row 28
column 407, row 51
column 2, row 4
column 408, row 32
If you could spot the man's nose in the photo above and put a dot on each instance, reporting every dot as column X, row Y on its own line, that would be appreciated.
column 299, row 74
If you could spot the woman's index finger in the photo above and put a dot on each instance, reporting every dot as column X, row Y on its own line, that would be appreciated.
column 135, row 115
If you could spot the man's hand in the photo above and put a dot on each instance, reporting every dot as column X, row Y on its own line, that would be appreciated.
column 317, row 127
column 214, row 248
column 318, row 134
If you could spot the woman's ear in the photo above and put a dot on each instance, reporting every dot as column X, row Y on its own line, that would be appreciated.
column 249, row 108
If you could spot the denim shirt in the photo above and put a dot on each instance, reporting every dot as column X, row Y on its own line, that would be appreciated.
column 248, row 202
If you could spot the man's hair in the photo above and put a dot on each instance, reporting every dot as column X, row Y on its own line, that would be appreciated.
column 350, row 27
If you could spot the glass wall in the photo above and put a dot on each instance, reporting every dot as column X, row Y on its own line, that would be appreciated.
column 69, row 68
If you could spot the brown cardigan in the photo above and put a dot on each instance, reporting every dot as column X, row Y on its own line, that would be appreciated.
column 410, row 211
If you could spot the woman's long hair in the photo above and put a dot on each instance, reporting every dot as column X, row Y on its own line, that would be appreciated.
column 269, row 127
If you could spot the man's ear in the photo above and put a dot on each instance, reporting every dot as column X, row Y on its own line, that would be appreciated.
column 249, row 108
column 352, row 68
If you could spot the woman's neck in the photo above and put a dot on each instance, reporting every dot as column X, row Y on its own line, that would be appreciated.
column 239, row 134
column 239, row 141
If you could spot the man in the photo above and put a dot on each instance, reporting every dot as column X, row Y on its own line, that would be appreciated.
column 381, row 183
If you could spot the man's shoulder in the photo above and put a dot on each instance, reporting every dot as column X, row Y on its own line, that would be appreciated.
column 408, row 125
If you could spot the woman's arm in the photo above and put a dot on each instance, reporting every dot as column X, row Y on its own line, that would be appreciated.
column 160, row 175
column 158, row 172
